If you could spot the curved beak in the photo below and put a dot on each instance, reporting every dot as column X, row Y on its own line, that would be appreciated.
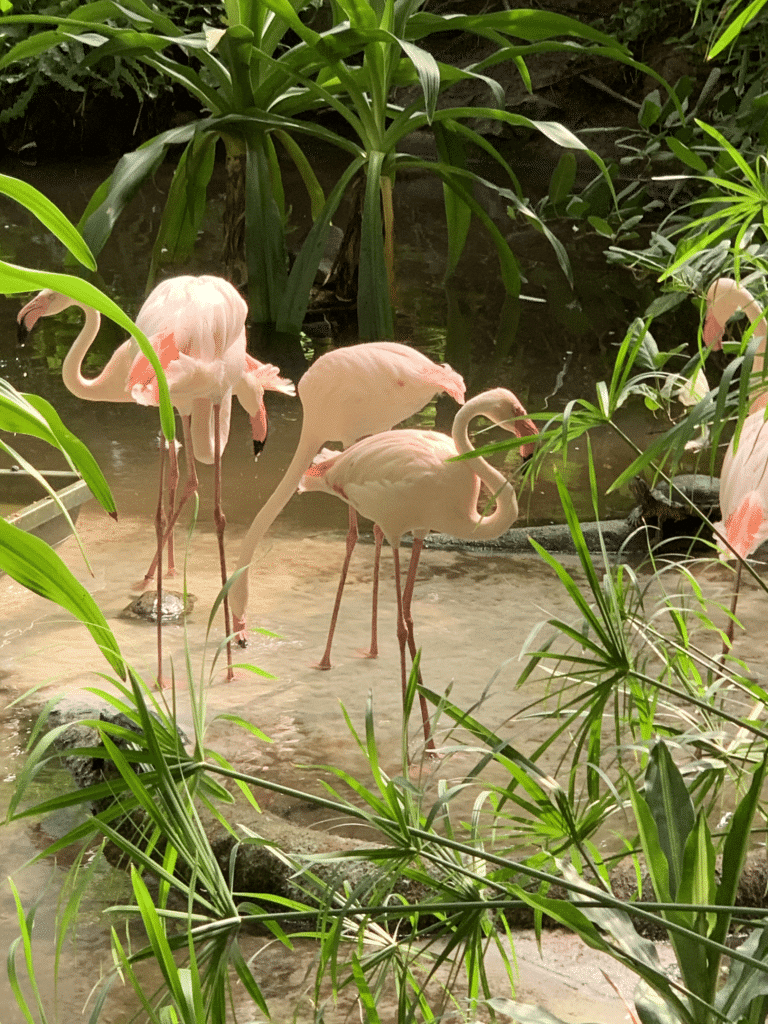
column 259, row 430
column 28, row 316
column 526, row 428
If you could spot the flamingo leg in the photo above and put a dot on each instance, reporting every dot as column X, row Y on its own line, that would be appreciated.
column 190, row 488
column 728, row 643
column 173, row 483
column 325, row 661
column 374, row 648
column 410, row 581
column 403, row 638
column 402, row 631
column 220, row 520
column 160, row 523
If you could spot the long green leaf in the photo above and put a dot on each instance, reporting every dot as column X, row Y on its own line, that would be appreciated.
column 373, row 306
column 264, row 237
column 734, row 27
column 186, row 203
column 50, row 216
column 672, row 810
column 429, row 74
column 296, row 296
column 78, row 454
column 18, row 416
column 458, row 215
column 132, row 170
column 737, row 844
column 32, row 563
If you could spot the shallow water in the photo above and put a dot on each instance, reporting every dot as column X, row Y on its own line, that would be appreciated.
column 473, row 612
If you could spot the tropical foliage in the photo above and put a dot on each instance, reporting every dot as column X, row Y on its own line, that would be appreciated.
column 258, row 88
column 603, row 670
column 635, row 702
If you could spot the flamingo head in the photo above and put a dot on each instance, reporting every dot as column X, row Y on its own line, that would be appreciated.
column 508, row 412
column 45, row 303
column 724, row 298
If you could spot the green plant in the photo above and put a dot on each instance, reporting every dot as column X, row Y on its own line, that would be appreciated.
column 24, row 557
column 256, row 87
column 64, row 69
column 695, row 902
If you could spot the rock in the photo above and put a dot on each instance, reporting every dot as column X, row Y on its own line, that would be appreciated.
column 175, row 606
column 687, row 502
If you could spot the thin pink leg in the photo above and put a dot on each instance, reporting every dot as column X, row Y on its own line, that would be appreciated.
column 728, row 643
column 325, row 661
column 190, row 488
column 402, row 631
column 403, row 638
column 408, row 620
column 220, row 521
column 160, row 522
column 173, row 483
column 374, row 649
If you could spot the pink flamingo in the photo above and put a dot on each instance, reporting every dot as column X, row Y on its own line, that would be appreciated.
column 346, row 394
column 200, row 326
column 725, row 298
column 403, row 481
column 197, row 327
column 743, row 477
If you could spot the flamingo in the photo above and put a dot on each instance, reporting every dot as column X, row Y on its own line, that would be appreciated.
column 743, row 477
column 726, row 297
column 346, row 394
column 403, row 481
column 197, row 327
column 200, row 324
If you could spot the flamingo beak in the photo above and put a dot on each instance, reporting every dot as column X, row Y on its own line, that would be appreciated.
column 259, row 430
column 526, row 428
column 28, row 317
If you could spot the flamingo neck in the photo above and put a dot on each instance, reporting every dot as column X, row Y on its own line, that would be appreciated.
column 307, row 448
column 109, row 386
column 505, row 513
column 754, row 312
column 70, row 370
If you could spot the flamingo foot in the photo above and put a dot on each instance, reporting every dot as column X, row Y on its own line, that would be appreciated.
column 171, row 683
column 143, row 584
column 430, row 758
column 229, row 676
column 372, row 652
column 323, row 665
column 238, row 629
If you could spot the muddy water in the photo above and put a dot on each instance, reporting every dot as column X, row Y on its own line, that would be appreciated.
column 473, row 612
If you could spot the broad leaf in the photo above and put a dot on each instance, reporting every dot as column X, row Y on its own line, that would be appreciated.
column 50, row 216
column 77, row 453
column 33, row 564
column 672, row 810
